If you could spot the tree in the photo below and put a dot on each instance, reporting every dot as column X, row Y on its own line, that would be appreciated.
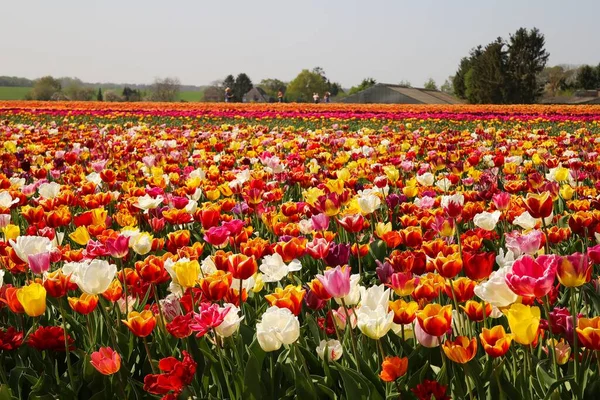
column 365, row 84
column 448, row 86
column 166, row 89
column 405, row 83
column 466, row 63
column 272, row 87
column 242, row 85
column 130, row 94
column 45, row 87
column 77, row 92
column 303, row 86
column 99, row 96
column 229, row 82
column 111, row 95
column 587, row 78
column 430, row 84
column 485, row 81
column 527, row 57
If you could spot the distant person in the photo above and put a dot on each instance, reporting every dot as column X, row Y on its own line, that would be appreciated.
column 228, row 95
column 280, row 96
column 316, row 98
column 326, row 97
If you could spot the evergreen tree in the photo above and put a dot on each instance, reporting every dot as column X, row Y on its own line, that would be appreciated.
column 587, row 78
column 229, row 82
column 242, row 85
column 485, row 81
column 99, row 96
column 527, row 58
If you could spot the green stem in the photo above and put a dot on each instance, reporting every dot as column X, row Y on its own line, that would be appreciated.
column 545, row 304
column 352, row 338
column 67, row 353
column 220, row 355
column 575, row 347
column 467, row 382
column 149, row 355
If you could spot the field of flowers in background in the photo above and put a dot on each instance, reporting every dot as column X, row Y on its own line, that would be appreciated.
column 299, row 251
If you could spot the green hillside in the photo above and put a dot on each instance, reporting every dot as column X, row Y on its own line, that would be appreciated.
column 13, row 93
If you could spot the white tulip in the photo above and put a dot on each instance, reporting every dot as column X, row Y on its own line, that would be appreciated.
column 95, row 276
column 374, row 296
column 277, row 327
column 333, row 347
column 25, row 246
column 374, row 323
column 147, row 202
column 486, row 220
column 49, row 190
column 425, row 179
column 495, row 290
column 231, row 323
column 275, row 269
column 6, row 200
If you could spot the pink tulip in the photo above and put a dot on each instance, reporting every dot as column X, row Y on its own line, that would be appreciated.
column 594, row 253
column 119, row 247
column 106, row 360
column 39, row 263
column 336, row 281
column 501, row 200
column 217, row 235
column 533, row 277
column 209, row 316
column 320, row 222
column 520, row 243
column 424, row 338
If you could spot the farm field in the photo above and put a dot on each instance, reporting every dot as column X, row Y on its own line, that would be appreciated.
column 13, row 93
column 281, row 251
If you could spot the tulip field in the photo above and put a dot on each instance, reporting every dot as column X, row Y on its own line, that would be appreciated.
column 294, row 251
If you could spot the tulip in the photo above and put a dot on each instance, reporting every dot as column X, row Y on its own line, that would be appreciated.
column 119, row 247
column 501, row 200
column 486, row 220
column 393, row 368
column 81, row 236
column 562, row 349
column 461, row 350
column 336, row 281
column 435, row 319
column 533, row 277
column 448, row 266
column 374, row 297
column 374, row 323
column 231, row 322
column 241, row 266
column 539, row 205
column 95, row 276
column 332, row 347
column 478, row 266
column 275, row 269
column 187, row 273
column 403, row 284
column 106, row 361
column 495, row 341
column 495, row 290
column 84, row 304
column 208, row 317
column 215, row 286
column 24, row 246
column 524, row 322
column 33, row 299
column 142, row 243
column 140, row 324
column 404, row 313
column 277, row 327
column 290, row 297
column 588, row 332
column 574, row 270
column 39, row 263
column 475, row 310
column 352, row 223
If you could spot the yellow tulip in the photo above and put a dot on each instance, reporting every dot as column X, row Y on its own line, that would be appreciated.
column 187, row 273
column 567, row 192
column 11, row 232
column 561, row 174
column 524, row 322
column 80, row 236
column 33, row 299
column 392, row 173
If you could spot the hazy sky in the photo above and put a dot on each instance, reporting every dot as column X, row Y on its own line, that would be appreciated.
column 201, row 41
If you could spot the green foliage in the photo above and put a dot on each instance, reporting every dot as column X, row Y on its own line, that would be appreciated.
column 14, row 92
column 448, row 86
column 45, row 87
column 272, row 86
column 130, row 94
column 504, row 72
column 303, row 86
column 430, row 84
column 166, row 89
column 405, row 83
column 242, row 85
column 99, row 96
column 588, row 78
column 365, row 84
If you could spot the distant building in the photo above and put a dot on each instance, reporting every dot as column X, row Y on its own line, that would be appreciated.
column 257, row 95
column 383, row 93
column 580, row 97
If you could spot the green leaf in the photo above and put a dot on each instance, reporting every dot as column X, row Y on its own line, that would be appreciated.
column 252, row 387
column 371, row 376
column 556, row 385
column 5, row 392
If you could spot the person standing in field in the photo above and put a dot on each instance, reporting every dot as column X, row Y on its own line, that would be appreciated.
column 326, row 97
column 228, row 95
column 280, row 96
column 316, row 98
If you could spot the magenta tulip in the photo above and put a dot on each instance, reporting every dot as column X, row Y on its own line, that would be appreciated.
column 533, row 277
column 39, row 263
column 119, row 247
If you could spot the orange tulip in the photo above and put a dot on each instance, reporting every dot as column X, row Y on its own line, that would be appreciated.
column 461, row 350
column 215, row 286
column 140, row 324
column 151, row 270
column 435, row 319
column 57, row 283
column 404, row 313
column 178, row 239
column 474, row 310
column 294, row 248
column 290, row 297
column 448, row 266
column 588, row 332
column 84, row 304
column 464, row 289
column 495, row 341
column 393, row 368
column 412, row 236
column 114, row 291
column 316, row 287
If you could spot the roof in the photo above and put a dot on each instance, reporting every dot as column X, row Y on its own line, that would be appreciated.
column 401, row 94
column 570, row 100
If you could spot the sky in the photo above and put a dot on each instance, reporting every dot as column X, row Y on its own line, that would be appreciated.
column 131, row 41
